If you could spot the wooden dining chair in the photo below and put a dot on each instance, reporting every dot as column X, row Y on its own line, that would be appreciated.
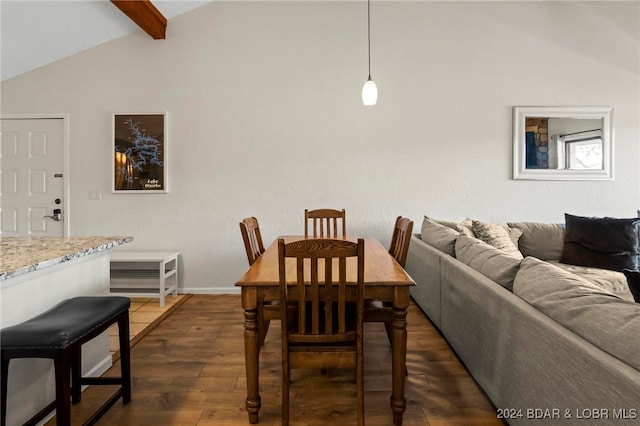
column 254, row 247
column 376, row 310
column 400, row 239
column 325, row 223
column 252, row 238
column 325, row 328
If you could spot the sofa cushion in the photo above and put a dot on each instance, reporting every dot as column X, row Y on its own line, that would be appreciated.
column 491, row 262
column 439, row 236
column 447, row 223
column 463, row 227
column 610, row 323
column 541, row 240
column 496, row 236
column 607, row 243
column 611, row 281
column 633, row 281
column 466, row 227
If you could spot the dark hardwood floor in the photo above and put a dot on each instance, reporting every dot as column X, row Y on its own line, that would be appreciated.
column 190, row 370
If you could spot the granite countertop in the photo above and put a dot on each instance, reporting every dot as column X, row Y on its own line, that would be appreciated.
column 21, row 255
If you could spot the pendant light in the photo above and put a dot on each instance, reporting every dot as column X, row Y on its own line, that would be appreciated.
column 369, row 90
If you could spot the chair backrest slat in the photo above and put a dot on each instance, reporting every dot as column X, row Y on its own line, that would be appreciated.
column 342, row 295
column 315, row 297
column 328, row 294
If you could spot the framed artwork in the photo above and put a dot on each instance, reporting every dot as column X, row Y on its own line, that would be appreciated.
column 140, row 153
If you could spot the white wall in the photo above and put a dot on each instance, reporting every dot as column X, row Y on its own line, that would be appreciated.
column 266, row 118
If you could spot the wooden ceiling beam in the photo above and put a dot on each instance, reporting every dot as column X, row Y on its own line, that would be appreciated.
column 145, row 15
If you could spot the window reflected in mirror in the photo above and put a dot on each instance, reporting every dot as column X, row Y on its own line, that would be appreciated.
column 563, row 143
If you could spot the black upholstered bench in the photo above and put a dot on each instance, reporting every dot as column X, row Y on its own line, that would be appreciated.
column 59, row 334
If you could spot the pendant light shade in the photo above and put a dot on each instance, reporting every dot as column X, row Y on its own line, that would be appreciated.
column 369, row 90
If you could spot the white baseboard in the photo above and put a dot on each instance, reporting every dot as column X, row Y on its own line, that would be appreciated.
column 100, row 368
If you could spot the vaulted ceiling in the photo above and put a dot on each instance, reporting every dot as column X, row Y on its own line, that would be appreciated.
column 36, row 33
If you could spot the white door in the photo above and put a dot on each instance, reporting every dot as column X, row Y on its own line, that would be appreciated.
column 31, row 177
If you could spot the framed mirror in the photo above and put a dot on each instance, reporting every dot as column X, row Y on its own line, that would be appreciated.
column 563, row 143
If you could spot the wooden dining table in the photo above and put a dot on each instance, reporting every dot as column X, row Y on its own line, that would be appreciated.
column 384, row 279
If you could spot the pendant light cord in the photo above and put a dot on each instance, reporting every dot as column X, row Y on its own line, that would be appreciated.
column 369, row 34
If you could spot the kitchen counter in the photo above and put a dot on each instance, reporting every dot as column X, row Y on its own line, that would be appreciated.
column 21, row 255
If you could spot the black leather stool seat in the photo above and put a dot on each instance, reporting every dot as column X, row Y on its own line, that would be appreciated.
column 63, row 324
column 59, row 334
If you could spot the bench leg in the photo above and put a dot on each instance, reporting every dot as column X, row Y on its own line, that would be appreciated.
column 5, row 378
column 76, row 375
column 62, row 366
column 125, row 356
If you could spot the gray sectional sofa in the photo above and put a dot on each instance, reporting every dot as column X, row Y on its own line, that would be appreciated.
column 549, row 343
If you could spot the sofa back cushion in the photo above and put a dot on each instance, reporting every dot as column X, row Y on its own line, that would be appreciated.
column 466, row 227
column 605, row 320
column 448, row 223
column 439, row 236
column 607, row 243
column 491, row 262
column 611, row 281
column 498, row 236
column 541, row 240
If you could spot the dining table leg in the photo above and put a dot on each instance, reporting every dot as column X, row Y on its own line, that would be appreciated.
column 250, row 306
column 399, row 352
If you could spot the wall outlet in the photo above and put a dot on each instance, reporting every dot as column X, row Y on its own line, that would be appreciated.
column 95, row 194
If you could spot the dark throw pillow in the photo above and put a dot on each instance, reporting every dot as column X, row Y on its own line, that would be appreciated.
column 633, row 279
column 607, row 243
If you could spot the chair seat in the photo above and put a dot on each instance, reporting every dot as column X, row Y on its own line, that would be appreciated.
column 318, row 340
column 64, row 324
column 376, row 304
column 377, row 311
column 272, row 308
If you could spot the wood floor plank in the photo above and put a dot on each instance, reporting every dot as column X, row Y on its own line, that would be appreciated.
column 190, row 370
